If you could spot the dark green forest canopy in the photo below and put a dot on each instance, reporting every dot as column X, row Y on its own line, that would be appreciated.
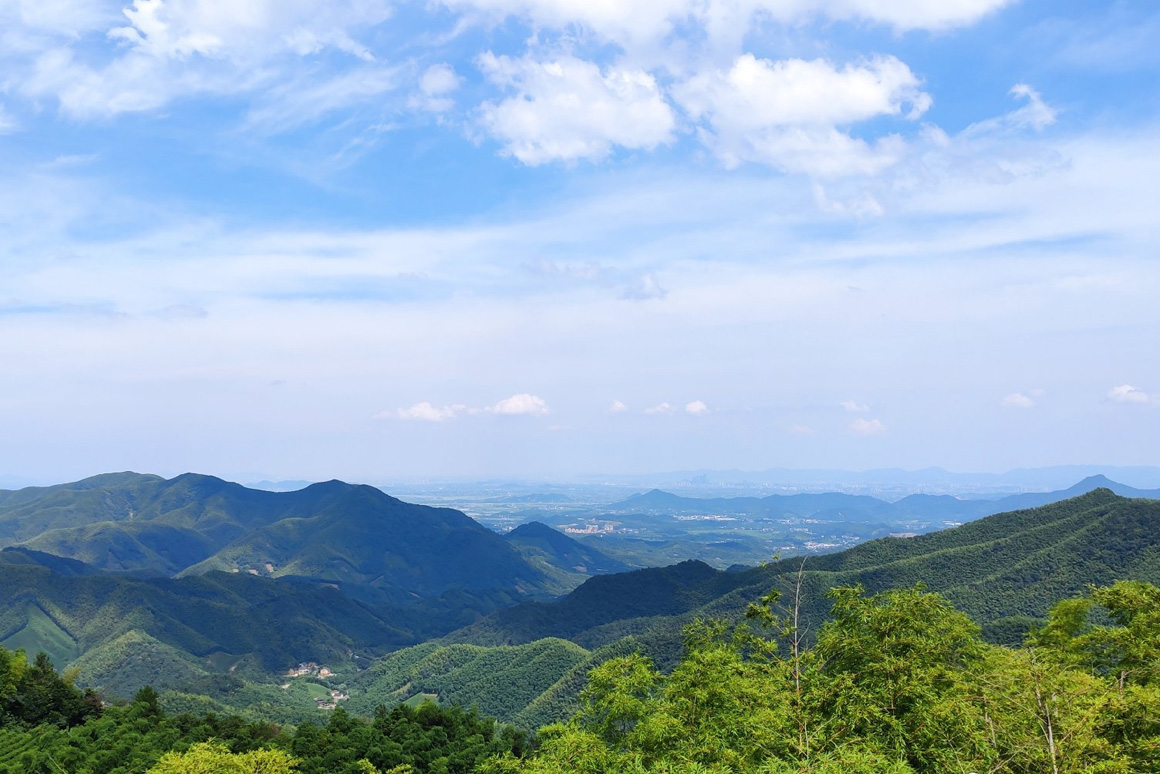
column 897, row 682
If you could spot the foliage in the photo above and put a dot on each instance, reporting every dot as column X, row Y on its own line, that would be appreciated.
column 500, row 681
column 211, row 758
column 897, row 682
column 33, row 695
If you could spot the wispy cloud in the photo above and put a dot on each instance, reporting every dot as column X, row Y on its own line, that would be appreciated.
column 1017, row 400
column 862, row 426
column 426, row 412
column 522, row 404
column 1126, row 393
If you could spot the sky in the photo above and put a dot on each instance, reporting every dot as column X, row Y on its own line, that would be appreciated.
column 544, row 238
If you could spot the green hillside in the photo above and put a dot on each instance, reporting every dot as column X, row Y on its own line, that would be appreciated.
column 127, row 632
column 567, row 561
column 1004, row 571
column 501, row 682
column 367, row 538
column 382, row 549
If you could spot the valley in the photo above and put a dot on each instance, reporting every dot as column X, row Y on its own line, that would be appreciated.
column 209, row 592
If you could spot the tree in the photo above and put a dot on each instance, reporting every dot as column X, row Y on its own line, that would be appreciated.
column 213, row 758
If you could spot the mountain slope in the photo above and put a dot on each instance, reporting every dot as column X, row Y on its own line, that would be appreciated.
column 367, row 538
column 1011, row 564
column 353, row 535
column 233, row 620
column 567, row 561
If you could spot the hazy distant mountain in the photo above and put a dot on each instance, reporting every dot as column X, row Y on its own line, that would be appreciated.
column 891, row 482
column 997, row 568
column 847, row 507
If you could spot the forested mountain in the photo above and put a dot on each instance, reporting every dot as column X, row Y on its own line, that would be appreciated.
column 560, row 556
column 332, row 531
column 347, row 573
column 1002, row 570
column 324, row 601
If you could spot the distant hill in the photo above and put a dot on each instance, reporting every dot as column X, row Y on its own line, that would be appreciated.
column 1001, row 569
column 868, row 508
column 846, row 507
column 560, row 556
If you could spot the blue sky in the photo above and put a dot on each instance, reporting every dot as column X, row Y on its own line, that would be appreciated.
column 381, row 240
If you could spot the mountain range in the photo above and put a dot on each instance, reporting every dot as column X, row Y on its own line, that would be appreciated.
column 839, row 506
column 197, row 584
column 354, row 536
column 1005, row 570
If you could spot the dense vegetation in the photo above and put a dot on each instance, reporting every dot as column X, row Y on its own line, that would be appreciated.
column 345, row 574
column 897, row 683
column 48, row 726
column 217, row 643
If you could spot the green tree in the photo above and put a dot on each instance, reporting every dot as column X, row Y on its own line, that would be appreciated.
column 213, row 758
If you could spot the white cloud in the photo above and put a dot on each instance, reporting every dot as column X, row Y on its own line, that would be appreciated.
column 179, row 29
column 522, row 403
column 425, row 412
column 1126, row 393
column 617, row 407
column 7, row 122
column 567, row 109
column 801, row 430
column 696, row 407
column 1034, row 114
column 903, row 14
column 863, row 426
column 853, row 405
column 439, row 79
column 635, row 24
column 787, row 113
column 1017, row 400
column 437, row 82
column 660, row 408
column 163, row 50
